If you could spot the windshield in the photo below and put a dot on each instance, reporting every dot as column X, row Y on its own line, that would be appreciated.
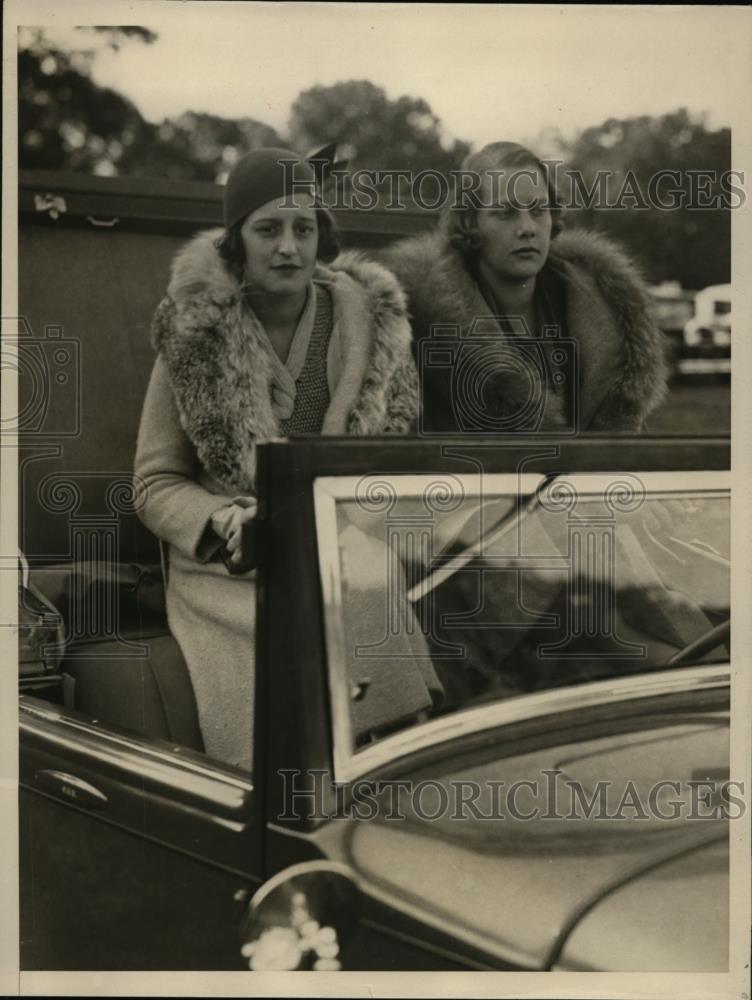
column 455, row 597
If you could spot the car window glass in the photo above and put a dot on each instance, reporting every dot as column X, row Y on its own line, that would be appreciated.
column 496, row 597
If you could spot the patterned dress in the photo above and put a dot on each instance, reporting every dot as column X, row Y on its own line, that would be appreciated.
column 312, row 385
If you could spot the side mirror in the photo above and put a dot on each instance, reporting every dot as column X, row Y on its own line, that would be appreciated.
column 300, row 918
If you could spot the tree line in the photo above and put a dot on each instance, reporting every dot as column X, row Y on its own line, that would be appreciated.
column 67, row 122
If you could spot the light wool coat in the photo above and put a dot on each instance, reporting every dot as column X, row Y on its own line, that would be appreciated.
column 207, row 406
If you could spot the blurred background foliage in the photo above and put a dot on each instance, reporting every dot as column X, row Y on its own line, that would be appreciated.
column 67, row 122
column 682, row 244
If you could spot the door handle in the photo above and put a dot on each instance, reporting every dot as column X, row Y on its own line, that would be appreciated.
column 71, row 789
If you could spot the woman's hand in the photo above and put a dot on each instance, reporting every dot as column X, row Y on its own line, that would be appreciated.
column 228, row 524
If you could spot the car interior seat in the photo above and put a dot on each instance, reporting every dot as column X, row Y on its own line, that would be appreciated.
column 133, row 676
column 88, row 552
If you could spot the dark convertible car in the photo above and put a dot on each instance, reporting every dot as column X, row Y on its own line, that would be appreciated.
column 492, row 676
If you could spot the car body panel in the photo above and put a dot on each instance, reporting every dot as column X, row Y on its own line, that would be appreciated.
column 157, row 856
column 97, row 896
column 507, row 892
column 650, row 924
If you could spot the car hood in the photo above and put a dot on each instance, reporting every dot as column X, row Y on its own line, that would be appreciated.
column 561, row 888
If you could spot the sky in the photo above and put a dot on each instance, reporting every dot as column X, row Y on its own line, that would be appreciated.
column 488, row 72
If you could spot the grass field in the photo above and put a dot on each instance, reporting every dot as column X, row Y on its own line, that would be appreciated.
column 699, row 405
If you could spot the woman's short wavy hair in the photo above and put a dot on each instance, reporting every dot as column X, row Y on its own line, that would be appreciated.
column 231, row 248
column 459, row 220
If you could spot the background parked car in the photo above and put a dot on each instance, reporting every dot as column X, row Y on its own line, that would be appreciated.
column 672, row 307
column 707, row 336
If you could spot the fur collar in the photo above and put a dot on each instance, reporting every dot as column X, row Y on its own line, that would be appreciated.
column 620, row 350
column 221, row 372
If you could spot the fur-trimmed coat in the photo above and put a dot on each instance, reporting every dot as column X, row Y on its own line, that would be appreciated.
column 208, row 404
column 226, row 407
column 620, row 365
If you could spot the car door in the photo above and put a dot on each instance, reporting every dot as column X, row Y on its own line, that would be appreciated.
column 329, row 507
column 134, row 854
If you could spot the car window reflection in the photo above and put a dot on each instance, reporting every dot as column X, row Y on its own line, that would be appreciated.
column 503, row 596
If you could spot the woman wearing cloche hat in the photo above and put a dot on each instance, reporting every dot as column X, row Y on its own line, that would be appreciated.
column 257, row 338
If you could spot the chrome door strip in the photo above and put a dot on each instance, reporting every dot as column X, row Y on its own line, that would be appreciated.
column 528, row 707
column 213, row 786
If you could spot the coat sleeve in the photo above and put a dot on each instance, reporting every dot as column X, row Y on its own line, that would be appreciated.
column 402, row 399
column 172, row 504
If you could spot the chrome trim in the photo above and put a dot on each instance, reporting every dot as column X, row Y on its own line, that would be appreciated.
column 43, row 710
column 288, row 831
column 319, row 866
column 71, row 787
column 24, row 568
column 349, row 765
column 325, row 508
column 213, row 786
column 657, row 483
column 413, row 485
column 533, row 706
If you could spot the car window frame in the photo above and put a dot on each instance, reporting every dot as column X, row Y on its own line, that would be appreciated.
column 349, row 764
